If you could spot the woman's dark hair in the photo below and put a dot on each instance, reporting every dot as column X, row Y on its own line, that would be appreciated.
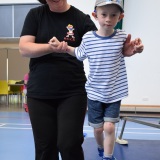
column 42, row 1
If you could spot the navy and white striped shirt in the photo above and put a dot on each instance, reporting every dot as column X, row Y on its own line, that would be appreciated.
column 107, row 79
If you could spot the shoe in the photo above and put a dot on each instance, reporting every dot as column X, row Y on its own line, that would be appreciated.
column 84, row 134
column 105, row 158
column 100, row 151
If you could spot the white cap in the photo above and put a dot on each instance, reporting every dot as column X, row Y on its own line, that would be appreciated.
column 106, row 2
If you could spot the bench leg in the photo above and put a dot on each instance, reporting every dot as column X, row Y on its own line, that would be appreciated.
column 119, row 139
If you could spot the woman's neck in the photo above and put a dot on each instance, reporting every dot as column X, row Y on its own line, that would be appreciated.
column 59, row 8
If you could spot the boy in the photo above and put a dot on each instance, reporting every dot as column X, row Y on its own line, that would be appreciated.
column 107, row 82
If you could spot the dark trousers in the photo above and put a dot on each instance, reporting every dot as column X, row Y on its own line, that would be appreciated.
column 58, row 127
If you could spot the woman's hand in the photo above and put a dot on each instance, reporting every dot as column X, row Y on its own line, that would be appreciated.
column 57, row 46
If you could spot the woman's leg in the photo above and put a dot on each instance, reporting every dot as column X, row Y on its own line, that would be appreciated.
column 71, row 114
column 43, row 116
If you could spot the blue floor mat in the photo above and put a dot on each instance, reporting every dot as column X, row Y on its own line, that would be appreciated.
column 135, row 150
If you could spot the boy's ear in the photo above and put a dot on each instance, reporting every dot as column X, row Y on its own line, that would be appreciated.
column 121, row 16
column 94, row 14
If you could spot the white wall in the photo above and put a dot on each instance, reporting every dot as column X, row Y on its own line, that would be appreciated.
column 17, row 1
column 141, row 20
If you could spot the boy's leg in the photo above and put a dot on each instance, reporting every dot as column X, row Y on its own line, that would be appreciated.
column 95, row 118
column 111, row 117
column 109, row 140
column 99, row 136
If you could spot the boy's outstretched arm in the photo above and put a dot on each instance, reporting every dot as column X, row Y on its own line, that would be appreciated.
column 132, row 47
column 71, row 50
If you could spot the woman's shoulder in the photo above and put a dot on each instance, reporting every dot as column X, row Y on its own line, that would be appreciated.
column 39, row 8
column 78, row 11
column 83, row 19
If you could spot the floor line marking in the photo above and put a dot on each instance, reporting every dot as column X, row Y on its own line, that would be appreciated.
column 15, row 128
column 139, row 133
column 2, row 124
column 149, row 128
column 18, row 124
column 129, row 132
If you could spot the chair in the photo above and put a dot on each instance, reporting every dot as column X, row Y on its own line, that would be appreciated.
column 16, row 89
column 4, row 90
column 13, row 81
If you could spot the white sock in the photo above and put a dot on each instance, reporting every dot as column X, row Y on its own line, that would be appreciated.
column 108, row 156
column 100, row 147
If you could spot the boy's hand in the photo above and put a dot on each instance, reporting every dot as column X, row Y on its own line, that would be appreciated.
column 138, row 48
column 132, row 47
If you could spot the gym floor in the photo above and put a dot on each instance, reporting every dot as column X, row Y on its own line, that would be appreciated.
column 16, row 139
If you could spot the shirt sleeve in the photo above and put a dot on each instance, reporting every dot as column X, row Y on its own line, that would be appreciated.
column 80, row 51
column 30, row 24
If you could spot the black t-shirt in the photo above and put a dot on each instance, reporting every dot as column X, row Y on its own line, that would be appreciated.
column 56, row 75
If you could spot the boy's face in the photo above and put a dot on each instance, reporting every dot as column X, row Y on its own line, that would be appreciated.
column 108, row 16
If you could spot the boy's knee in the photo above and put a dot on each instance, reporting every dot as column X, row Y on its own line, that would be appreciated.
column 98, row 130
column 109, row 127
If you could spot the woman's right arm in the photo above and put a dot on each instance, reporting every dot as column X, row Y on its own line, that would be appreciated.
column 28, row 47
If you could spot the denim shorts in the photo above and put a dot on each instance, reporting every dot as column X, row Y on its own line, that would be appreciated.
column 99, row 112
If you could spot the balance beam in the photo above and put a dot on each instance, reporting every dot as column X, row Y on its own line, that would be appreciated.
column 120, row 140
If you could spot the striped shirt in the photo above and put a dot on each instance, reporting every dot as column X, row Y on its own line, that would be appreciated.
column 107, row 79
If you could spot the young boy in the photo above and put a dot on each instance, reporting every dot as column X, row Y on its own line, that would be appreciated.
column 107, row 80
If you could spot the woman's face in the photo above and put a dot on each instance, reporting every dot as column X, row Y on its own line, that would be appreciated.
column 57, row 5
column 55, row 1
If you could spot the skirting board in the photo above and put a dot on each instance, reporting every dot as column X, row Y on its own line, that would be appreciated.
column 140, row 108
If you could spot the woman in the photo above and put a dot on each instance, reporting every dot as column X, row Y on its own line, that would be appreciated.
column 56, row 95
